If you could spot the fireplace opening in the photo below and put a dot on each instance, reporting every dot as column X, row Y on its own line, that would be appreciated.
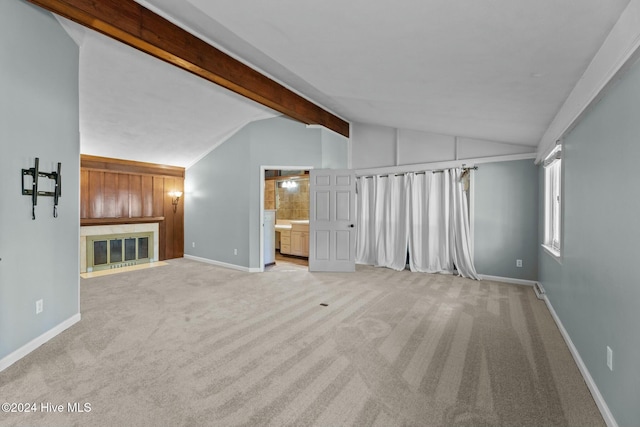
column 118, row 250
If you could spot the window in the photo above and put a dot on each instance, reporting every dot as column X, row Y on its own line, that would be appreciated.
column 553, row 200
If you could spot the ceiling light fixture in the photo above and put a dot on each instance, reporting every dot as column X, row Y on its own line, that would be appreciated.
column 289, row 184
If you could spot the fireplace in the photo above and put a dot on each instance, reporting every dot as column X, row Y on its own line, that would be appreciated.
column 107, row 247
column 118, row 250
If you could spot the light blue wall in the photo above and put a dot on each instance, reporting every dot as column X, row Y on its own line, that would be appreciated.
column 506, row 219
column 217, row 204
column 335, row 150
column 595, row 289
column 222, row 207
column 38, row 118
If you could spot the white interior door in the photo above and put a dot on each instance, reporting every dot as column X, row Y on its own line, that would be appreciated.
column 332, row 207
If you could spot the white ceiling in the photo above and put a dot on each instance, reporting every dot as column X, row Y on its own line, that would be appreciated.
column 136, row 107
column 489, row 69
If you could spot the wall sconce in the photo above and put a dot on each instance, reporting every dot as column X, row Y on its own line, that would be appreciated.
column 175, row 198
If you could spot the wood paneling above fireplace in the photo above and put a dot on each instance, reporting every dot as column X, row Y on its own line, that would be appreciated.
column 114, row 191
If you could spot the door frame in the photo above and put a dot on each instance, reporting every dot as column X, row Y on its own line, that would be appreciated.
column 263, row 168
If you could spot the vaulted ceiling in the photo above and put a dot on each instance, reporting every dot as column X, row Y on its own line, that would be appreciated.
column 492, row 69
column 136, row 107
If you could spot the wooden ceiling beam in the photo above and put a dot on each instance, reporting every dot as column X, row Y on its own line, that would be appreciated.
column 133, row 24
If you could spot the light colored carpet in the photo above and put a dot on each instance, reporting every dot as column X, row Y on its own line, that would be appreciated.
column 191, row 344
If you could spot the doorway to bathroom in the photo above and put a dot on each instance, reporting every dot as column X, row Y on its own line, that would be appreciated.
column 284, row 212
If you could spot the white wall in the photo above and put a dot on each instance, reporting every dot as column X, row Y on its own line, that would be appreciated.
column 422, row 147
column 378, row 146
column 372, row 146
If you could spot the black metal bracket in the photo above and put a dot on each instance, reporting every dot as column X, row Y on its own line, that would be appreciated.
column 35, row 174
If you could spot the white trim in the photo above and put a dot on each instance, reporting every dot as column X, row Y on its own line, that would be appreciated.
column 222, row 264
column 472, row 212
column 418, row 167
column 538, row 289
column 12, row 358
column 553, row 206
column 554, row 253
column 593, row 388
column 507, row 280
column 618, row 50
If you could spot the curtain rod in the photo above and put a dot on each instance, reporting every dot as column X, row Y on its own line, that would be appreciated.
column 415, row 173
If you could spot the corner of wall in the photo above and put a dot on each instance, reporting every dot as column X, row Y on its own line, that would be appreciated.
column 41, row 120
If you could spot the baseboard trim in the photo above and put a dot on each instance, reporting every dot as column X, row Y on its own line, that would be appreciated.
column 12, row 358
column 593, row 388
column 507, row 280
column 222, row 264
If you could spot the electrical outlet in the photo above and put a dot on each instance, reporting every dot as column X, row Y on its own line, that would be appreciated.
column 193, row 244
column 610, row 358
column 518, row 263
column 235, row 252
column 39, row 306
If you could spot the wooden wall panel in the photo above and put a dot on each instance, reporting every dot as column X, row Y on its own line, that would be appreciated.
column 84, row 194
column 178, row 221
column 114, row 196
column 174, row 218
column 168, row 216
column 147, row 195
column 96, row 185
column 110, row 195
column 135, row 196
column 158, row 196
column 122, row 198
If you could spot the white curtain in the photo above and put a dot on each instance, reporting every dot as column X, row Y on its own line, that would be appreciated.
column 382, row 233
column 424, row 214
column 365, row 220
column 460, row 230
column 391, row 222
column 430, row 206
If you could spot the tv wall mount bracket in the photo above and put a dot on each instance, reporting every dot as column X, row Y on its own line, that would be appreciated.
column 35, row 174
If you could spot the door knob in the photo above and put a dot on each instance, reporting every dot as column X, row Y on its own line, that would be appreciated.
column 351, row 225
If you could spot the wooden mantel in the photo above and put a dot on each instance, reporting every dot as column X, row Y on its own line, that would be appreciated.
column 117, row 221
column 133, row 24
